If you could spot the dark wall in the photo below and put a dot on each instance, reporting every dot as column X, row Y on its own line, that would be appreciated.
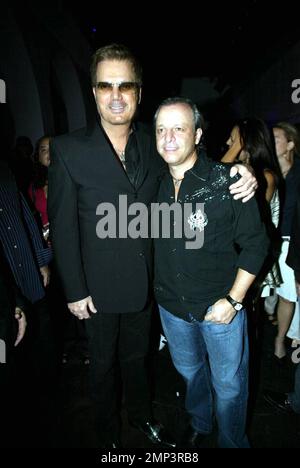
column 44, row 61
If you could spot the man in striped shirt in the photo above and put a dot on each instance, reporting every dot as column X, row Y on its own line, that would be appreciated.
column 26, row 254
column 28, row 259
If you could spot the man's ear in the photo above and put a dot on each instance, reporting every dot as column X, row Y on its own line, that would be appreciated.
column 198, row 135
column 94, row 92
column 140, row 96
column 290, row 145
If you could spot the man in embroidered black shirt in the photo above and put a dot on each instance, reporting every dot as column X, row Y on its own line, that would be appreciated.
column 200, row 290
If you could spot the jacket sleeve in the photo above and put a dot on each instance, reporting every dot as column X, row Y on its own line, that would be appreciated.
column 43, row 254
column 293, row 259
column 64, row 227
column 9, row 291
column 250, row 236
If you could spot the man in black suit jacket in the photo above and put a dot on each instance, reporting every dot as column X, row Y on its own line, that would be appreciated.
column 290, row 402
column 293, row 259
column 109, row 280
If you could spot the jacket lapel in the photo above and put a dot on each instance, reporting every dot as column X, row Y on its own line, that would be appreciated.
column 144, row 143
column 103, row 152
column 101, row 147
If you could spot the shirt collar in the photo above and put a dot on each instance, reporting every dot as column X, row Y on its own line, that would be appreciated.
column 201, row 168
column 202, row 165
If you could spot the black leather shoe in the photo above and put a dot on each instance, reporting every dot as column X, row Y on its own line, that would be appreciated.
column 279, row 401
column 192, row 438
column 155, row 432
column 112, row 445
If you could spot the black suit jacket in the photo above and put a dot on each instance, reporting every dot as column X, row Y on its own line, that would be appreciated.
column 293, row 259
column 84, row 172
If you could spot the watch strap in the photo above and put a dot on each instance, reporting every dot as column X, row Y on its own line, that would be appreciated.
column 236, row 305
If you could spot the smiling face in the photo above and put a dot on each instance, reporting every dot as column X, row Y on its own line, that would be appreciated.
column 176, row 137
column 116, row 106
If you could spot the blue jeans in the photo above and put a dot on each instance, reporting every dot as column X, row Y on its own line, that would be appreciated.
column 213, row 360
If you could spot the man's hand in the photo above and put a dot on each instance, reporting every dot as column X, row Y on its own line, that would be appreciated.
column 222, row 313
column 81, row 309
column 245, row 187
column 21, row 318
column 45, row 272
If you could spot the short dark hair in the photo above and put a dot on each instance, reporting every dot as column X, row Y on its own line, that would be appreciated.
column 198, row 118
column 115, row 52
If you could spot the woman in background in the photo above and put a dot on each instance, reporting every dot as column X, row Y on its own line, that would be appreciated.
column 250, row 142
column 287, row 144
column 38, row 189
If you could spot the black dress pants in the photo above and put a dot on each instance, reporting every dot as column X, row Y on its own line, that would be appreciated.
column 119, row 339
column 39, row 354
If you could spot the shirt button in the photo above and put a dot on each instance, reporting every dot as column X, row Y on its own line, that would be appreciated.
column 173, row 251
column 1, row 210
column 178, row 275
column 141, row 254
column 9, row 228
column 15, row 247
column 182, row 298
column 20, row 264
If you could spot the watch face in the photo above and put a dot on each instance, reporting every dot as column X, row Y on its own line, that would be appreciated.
column 238, row 307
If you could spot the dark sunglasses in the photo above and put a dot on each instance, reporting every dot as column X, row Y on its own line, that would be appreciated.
column 124, row 86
